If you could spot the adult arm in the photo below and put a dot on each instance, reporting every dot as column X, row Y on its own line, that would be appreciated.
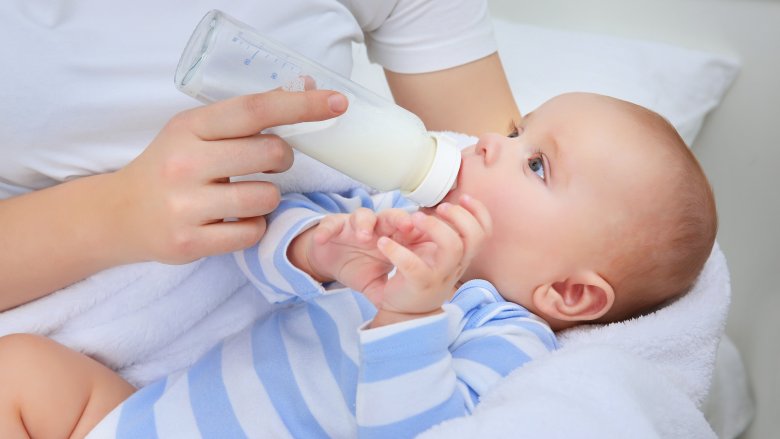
column 441, row 62
column 167, row 205
column 473, row 98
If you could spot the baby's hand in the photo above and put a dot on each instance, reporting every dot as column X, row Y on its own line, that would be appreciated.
column 343, row 247
column 430, row 263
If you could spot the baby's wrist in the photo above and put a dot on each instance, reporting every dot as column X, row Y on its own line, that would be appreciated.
column 386, row 317
column 299, row 254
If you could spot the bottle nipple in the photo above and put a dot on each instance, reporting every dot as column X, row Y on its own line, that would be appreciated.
column 442, row 175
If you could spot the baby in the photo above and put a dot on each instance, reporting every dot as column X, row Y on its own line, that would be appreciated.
column 592, row 211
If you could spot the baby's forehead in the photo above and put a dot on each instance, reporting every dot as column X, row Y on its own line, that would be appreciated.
column 577, row 100
column 591, row 107
column 614, row 173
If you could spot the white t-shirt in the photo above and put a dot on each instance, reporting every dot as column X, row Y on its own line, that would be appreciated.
column 87, row 84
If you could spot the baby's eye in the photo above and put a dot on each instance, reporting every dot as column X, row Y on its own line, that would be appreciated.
column 536, row 163
column 516, row 131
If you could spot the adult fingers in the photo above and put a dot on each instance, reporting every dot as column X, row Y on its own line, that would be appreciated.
column 229, row 236
column 212, row 239
column 247, row 155
column 247, row 115
column 241, row 199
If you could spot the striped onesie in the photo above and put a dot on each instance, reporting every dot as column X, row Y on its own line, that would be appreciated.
column 310, row 370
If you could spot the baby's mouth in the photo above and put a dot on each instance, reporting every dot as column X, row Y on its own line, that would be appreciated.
column 430, row 210
column 457, row 179
column 456, row 183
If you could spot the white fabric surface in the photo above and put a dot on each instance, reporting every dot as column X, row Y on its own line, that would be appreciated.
column 86, row 85
column 680, row 84
column 642, row 378
column 730, row 406
column 145, row 320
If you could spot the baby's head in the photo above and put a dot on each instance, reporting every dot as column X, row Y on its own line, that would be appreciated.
column 600, row 211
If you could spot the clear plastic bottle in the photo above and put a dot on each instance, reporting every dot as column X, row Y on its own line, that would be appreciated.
column 375, row 142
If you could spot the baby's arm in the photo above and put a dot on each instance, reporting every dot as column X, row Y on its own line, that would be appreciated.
column 360, row 249
column 280, row 266
column 49, row 390
column 343, row 248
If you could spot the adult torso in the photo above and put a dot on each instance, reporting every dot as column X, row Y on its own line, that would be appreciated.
column 86, row 85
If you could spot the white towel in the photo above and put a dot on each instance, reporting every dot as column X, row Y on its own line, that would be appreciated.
column 642, row 378
column 145, row 320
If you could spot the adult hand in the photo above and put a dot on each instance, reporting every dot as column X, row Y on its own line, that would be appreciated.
column 172, row 199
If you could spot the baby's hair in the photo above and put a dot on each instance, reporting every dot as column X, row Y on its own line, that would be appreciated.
column 663, row 261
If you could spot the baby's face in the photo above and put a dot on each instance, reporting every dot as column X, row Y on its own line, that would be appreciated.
column 558, row 193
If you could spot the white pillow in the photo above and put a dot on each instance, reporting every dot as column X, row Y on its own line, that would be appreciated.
column 682, row 85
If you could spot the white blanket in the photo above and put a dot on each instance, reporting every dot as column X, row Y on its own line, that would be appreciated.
column 642, row 378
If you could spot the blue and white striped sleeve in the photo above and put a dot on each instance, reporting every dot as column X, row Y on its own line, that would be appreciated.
column 406, row 382
column 419, row 373
column 495, row 338
column 266, row 264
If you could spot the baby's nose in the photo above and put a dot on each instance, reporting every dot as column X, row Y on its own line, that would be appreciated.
column 490, row 145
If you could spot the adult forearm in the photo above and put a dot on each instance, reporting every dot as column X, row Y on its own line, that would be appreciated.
column 56, row 236
column 474, row 98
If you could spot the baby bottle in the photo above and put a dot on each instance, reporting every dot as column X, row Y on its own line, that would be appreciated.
column 375, row 141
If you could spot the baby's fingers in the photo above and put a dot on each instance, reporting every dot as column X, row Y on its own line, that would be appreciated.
column 392, row 221
column 362, row 222
column 445, row 238
column 405, row 261
column 470, row 220
column 328, row 227
column 480, row 212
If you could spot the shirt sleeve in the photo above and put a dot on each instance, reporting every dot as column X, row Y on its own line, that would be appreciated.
column 406, row 382
column 419, row 373
column 418, row 36
column 266, row 264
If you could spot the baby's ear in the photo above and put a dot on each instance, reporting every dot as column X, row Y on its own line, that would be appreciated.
column 583, row 296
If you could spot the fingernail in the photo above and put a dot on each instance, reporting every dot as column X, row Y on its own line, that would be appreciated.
column 444, row 206
column 337, row 103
